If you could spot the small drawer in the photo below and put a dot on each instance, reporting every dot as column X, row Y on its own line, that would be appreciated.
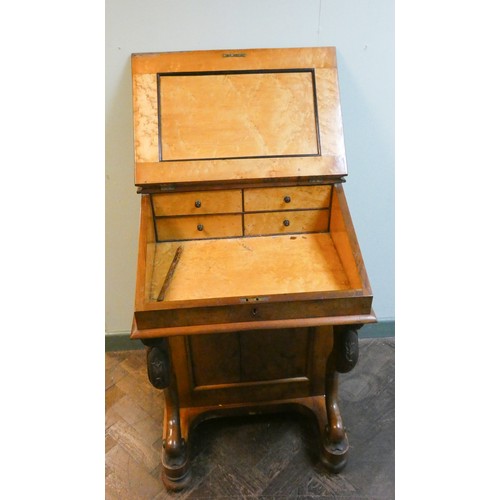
column 198, row 227
column 287, row 198
column 197, row 202
column 299, row 221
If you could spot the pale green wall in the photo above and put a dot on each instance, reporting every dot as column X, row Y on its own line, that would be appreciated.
column 362, row 31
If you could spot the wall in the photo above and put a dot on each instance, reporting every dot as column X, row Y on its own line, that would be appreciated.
column 363, row 33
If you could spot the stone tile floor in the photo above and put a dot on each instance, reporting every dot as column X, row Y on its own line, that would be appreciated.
column 267, row 457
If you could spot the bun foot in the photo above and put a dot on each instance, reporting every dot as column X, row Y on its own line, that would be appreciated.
column 175, row 477
column 175, row 484
column 334, row 455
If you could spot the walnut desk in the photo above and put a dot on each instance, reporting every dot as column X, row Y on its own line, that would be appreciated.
column 250, row 281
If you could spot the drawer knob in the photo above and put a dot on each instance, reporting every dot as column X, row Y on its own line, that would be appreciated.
column 286, row 222
column 287, row 199
column 199, row 227
column 197, row 203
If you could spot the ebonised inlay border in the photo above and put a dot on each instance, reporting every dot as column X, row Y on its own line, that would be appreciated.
column 159, row 76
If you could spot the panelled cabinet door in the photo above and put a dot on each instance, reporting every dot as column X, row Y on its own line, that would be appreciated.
column 251, row 365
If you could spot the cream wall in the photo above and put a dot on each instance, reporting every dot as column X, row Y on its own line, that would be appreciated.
column 362, row 31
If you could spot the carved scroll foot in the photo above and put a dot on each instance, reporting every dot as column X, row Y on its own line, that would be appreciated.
column 176, row 473
column 342, row 359
column 175, row 460
column 176, row 467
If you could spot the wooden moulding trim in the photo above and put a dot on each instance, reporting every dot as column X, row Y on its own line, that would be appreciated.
column 252, row 383
column 265, row 312
column 245, row 326
column 240, row 184
column 240, row 170
column 239, row 301
column 234, row 59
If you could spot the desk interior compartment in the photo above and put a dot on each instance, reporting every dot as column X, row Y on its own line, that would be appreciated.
column 252, row 280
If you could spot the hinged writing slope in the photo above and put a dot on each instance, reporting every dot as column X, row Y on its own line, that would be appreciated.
column 267, row 114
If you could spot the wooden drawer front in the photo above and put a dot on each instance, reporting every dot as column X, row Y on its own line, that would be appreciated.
column 200, row 227
column 299, row 221
column 287, row 198
column 197, row 202
column 250, row 313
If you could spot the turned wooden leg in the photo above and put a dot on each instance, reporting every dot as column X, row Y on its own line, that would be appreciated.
column 342, row 359
column 176, row 471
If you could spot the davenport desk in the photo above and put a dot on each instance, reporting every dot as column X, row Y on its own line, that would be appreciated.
column 250, row 282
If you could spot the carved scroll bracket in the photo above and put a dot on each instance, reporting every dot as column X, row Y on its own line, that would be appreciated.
column 161, row 374
column 342, row 359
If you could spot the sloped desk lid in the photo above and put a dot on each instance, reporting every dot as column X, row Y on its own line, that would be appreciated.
column 227, row 116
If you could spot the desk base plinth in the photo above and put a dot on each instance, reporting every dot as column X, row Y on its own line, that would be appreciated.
column 179, row 421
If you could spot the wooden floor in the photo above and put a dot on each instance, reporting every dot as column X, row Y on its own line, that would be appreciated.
column 253, row 457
